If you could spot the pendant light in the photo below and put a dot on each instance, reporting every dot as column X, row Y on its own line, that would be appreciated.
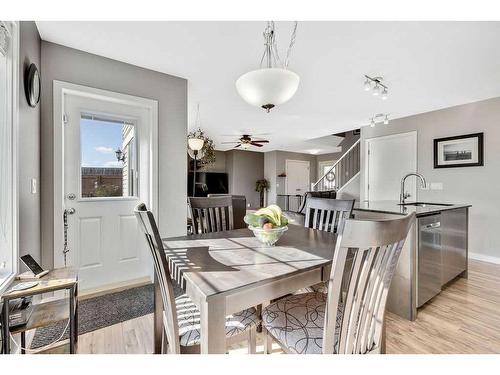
column 272, row 84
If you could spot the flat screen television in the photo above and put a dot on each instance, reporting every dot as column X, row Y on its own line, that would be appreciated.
column 208, row 183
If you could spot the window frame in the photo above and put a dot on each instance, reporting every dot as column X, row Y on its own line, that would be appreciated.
column 13, row 115
column 109, row 117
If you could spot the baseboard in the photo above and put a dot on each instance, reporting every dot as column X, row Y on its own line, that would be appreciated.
column 484, row 258
column 115, row 287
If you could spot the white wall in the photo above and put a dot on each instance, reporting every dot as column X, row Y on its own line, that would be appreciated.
column 70, row 65
column 478, row 186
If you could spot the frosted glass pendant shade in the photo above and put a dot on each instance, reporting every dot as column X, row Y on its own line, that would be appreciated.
column 195, row 144
column 267, row 87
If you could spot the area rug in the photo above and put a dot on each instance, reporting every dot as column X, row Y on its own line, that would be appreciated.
column 103, row 311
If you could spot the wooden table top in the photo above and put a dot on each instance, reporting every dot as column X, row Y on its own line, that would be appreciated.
column 57, row 279
column 220, row 263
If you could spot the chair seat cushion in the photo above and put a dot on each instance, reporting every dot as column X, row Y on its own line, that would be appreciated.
column 297, row 322
column 188, row 317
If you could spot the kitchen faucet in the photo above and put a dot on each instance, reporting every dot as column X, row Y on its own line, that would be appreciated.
column 403, row 195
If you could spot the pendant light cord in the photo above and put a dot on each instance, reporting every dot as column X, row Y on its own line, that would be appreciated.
column 292, row 42
column 271, row 47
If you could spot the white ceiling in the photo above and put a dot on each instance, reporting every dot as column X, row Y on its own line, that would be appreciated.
column 427, row 66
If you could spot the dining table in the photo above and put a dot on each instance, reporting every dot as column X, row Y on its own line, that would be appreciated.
column 226, row 272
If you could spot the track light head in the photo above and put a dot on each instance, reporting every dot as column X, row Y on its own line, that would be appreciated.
column 372, row 123
column 386, row 120
column 384, row 94
column 376, row 90
column 368, row 85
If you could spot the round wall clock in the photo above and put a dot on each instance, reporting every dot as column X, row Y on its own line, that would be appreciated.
column 32, row 85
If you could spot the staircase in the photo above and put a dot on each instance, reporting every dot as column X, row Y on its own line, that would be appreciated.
column 342, row 172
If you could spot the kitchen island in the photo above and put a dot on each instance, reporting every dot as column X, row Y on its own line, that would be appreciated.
column 435, row 252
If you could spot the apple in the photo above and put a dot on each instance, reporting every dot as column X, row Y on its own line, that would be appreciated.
column 267, row 226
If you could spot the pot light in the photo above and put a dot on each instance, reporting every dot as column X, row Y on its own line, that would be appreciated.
column 272, row 84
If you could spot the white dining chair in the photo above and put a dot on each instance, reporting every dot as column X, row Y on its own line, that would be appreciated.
column 181, row 318
column 343, row 321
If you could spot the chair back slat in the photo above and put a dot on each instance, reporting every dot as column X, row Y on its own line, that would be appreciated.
column 364, row 262
column 214, row 214
column 148, row 225
column 336, row 209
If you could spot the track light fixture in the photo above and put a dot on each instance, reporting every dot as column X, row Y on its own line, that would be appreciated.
column 378, row 118
column 375, row 85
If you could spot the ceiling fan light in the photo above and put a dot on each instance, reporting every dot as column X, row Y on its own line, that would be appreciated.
column 267, row 87
column 245, row 146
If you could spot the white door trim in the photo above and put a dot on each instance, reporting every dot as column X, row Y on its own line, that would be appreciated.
column 60, row 89
column 366, row 172
column 297, row 161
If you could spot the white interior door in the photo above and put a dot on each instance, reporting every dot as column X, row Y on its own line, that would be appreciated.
column 107, row 163
column 389, row 158
column 297, row 180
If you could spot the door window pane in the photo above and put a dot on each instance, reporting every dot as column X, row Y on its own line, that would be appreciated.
column 108, row 157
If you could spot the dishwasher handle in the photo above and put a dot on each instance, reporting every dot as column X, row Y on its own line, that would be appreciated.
column 435, row 225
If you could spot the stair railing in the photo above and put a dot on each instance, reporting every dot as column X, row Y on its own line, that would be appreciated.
column 342, row 171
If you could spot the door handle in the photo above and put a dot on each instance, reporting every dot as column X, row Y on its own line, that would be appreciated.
column 70, row 211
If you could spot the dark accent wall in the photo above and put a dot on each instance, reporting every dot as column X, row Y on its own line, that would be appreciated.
column 244, row 169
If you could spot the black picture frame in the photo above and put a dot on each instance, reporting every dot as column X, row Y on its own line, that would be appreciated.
column 32, row 85
column 480, row 151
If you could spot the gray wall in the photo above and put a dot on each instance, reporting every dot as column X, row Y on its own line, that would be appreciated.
column 70, row 65
column 244, row 169
column 29, row 147
column 218, row 166
column 479, row 186
column 270, row 174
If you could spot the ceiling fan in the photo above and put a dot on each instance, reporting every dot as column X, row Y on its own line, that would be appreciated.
column 246, row 141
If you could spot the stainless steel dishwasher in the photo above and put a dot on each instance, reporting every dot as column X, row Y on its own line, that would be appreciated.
column 429, row 258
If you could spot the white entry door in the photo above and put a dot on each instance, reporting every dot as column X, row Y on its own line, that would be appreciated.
column 389, row 158
column 297, row 180
column 107, row 172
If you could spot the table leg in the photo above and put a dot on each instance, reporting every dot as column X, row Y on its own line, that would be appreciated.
column 158, row 318
column 72, row 321
column 5, row 327
column 76, row 312
column 23, row 342
column 213, row 326
column 383, row 339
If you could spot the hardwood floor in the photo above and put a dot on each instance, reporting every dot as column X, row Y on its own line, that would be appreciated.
column 464, row 318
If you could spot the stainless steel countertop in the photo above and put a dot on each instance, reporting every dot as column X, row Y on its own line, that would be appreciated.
column 393, row 207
